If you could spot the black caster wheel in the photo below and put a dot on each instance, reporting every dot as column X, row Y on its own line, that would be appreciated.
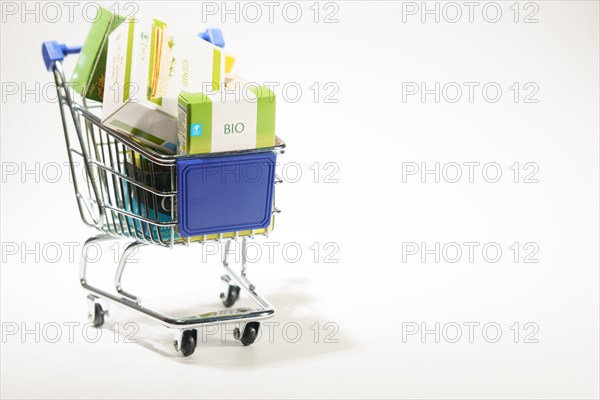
column 233, row 293
column 250, row 333
column 98, row 316
column 188, row 342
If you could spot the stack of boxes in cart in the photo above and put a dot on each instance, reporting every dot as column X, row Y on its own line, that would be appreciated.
column 174, row 93
column 172, row 90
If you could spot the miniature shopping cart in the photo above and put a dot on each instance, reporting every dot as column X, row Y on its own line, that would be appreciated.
column 129, row 191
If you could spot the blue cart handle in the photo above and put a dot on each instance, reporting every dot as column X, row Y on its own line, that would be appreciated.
column 214, row 36
column 54, row 51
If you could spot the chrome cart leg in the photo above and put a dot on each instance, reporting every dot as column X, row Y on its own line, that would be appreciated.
column 242, row 281
column 97, row 307
column 119, row 274
column 97, row 313
column 232, row 291
column 246, row 332
column 84, row 256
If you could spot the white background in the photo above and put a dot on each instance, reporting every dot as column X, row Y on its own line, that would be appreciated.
column 370, row 295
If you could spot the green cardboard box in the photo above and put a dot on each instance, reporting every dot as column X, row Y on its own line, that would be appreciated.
column 225, row 121
column 89, row 74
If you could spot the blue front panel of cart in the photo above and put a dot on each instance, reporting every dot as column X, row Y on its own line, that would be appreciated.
column 225, row 194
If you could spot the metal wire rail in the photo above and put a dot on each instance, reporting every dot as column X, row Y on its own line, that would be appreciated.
column 126, row 190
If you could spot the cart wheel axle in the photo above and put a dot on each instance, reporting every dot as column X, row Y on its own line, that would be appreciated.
column 186, row 345
column 249, row 335
column 233, row 293
column 97, row 317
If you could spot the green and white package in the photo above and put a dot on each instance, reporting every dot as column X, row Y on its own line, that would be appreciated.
column 226, row 120
column 148, row 65
column 89, row 74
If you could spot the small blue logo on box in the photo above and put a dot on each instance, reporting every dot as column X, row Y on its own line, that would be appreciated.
column 196, row 130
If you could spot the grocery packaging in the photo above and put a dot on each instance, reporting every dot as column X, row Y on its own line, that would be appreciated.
column 89, row 73
column 148, row 65
column 237, row 117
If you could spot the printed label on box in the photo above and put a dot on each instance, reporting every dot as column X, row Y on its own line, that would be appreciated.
column 196, row 130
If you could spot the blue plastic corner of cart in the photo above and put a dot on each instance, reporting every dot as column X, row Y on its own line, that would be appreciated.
column 220, row 194
column 54, row 51
column 214, row 36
